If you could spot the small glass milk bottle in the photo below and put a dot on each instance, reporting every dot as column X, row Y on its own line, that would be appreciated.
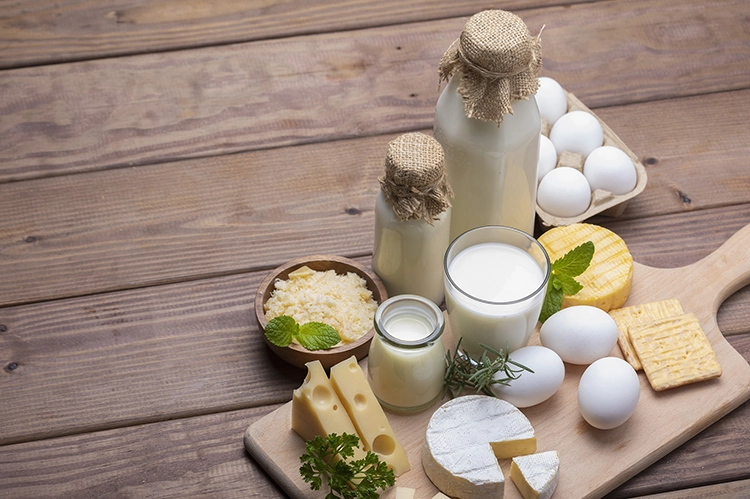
column 406, row 362
column 488, row 122
column 412, row 218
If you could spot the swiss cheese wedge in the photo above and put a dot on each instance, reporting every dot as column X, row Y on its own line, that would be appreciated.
column 317, row 410
column 369, row 419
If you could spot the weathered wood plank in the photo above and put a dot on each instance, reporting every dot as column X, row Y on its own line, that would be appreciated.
column 43, row 31
column 193, row 457
column 203, row 455
column 198, row 218
column 729, row 490
column 104, row 361
column 694, row 150
column 155, row 224
column 156, row 107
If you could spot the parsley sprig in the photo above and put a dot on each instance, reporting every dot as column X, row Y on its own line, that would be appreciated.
column 462, row 371
column 348, row 479
column 312, row 335
column 561, row 279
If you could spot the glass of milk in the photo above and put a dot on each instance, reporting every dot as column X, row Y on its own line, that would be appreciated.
column 406, row 365
column 495, row 281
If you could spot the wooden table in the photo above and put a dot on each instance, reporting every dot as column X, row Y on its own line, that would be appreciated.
column 158, row 158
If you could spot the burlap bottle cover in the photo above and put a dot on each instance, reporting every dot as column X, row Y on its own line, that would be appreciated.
column 499, row 61
column 414, row 183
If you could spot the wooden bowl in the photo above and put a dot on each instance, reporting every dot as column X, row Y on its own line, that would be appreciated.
column 297, row 355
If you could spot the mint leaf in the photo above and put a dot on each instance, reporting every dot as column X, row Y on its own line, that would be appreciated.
column 568, row 285
column 317, row 336
column 561, row 282
column 552, row 302
column 280, row 330
column 576, row 261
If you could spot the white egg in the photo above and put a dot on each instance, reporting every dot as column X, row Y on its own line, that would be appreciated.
column 547, row 157
column 564, row 192
column 532, row 388
column 608, row 393
column 551, row 99
column 609, row 168
column 580, row 334
column 577, row 131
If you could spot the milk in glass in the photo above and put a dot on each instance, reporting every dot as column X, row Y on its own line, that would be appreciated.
column 494, row 289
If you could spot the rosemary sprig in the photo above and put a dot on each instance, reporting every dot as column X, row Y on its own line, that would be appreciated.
column 463, row 371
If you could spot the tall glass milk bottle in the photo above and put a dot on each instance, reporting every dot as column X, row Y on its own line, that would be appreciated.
column 412, row 218
column 488, row 123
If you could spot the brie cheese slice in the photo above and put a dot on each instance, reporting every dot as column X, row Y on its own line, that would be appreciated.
column 536, row 475
column 465, row 438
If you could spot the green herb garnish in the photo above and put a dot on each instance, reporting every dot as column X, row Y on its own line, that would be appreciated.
column 463, row 371
column 282, row 330
column 326, row 459
column 561, row 279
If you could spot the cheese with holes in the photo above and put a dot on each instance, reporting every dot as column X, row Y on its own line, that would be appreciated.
column 465, row 437
column 364, row 410
column 317, row 410
column 536, row 475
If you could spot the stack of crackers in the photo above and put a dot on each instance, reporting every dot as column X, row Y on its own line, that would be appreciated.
column 667, row 343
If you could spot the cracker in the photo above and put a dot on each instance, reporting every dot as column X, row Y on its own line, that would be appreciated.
column 640, row 314
column 674, row 351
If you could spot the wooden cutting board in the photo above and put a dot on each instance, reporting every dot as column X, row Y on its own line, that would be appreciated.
column 592, row 462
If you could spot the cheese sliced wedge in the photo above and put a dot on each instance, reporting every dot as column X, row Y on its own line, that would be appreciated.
column 350, row 384
column 317, row 410
column 536, row 475
column 465, row 437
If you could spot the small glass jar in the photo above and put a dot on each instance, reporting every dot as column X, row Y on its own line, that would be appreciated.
column 406, row 363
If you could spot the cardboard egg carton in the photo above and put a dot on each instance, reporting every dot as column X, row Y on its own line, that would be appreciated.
column 602, row 202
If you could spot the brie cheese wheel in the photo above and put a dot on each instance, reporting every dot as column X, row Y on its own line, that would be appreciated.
column 536, row 475
column 465, row 438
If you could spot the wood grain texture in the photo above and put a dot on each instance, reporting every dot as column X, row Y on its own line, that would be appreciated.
column 117, row 229
column 42, row 32
column 157, row 107
column 194, row 457
column 121, row 359
column 730, row 490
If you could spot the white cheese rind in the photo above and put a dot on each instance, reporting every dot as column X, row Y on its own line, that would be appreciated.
column 461, row 442
column 541, row 473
